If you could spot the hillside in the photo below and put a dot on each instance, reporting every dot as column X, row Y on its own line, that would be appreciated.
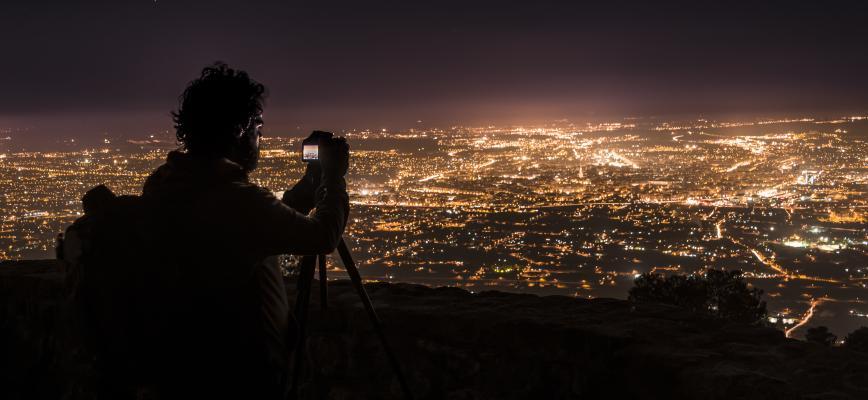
column 458, row 345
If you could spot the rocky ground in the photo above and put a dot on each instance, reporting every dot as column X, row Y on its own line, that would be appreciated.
column 458, row 345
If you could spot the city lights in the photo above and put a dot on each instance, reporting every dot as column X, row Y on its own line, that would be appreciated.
column 558, row 209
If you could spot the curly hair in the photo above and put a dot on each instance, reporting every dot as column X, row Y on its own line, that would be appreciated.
column 215, row 107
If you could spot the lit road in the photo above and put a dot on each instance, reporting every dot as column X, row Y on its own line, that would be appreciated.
column 805, row 319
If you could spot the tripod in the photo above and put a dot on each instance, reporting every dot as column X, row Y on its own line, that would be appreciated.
column 305, row 279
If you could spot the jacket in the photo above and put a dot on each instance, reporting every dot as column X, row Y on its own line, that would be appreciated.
column 216, row 228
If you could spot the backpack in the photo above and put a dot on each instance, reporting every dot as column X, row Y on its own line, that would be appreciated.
column 120, row 294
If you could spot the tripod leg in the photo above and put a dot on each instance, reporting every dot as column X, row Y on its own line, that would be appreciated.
column 323, row 283
column 302, row 303
column 356, row 279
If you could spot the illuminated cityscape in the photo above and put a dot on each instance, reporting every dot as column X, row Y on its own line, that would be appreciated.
column 522, row 200
column 569, row 209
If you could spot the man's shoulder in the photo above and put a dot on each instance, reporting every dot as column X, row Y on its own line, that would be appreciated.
column 184, row 173
column 249, row 191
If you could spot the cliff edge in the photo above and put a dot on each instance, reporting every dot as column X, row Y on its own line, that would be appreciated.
column 458, row 345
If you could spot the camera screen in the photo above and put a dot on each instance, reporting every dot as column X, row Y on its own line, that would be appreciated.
column 310, row 152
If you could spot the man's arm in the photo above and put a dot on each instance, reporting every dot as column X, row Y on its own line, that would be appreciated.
column 301, row 196
column 281, row 229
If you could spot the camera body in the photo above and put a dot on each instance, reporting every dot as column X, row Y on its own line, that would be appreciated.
column 310, row 148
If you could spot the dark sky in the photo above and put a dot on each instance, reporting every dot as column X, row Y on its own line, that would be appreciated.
column 78, row 67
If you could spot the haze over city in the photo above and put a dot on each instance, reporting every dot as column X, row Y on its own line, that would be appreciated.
column 85, row 69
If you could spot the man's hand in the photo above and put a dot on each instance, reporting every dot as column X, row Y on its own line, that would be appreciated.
column 334, row 157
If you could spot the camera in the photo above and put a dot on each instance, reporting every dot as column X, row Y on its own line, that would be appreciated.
column 310, row 147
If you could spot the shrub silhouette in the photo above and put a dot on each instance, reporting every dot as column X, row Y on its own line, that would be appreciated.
column 857, row 340
column 721, row 294
column 820, row 335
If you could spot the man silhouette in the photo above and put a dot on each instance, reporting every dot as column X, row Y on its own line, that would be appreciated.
column 230, row 323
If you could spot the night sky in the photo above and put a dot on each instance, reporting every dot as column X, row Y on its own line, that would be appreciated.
column 118, row 67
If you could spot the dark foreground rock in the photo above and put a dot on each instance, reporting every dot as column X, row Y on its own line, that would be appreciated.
column 458, row 345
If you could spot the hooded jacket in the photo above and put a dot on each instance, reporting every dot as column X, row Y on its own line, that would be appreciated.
column 216, row 229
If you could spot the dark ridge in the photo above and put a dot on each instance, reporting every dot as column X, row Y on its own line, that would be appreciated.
column 458, row 345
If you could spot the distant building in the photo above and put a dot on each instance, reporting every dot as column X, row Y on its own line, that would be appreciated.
column 808, row 177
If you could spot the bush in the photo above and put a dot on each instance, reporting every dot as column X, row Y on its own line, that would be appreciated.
column 857, row 340
column 820, row 335
column 721, row 294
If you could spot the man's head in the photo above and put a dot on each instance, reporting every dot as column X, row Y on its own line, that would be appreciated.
column 220, row 114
